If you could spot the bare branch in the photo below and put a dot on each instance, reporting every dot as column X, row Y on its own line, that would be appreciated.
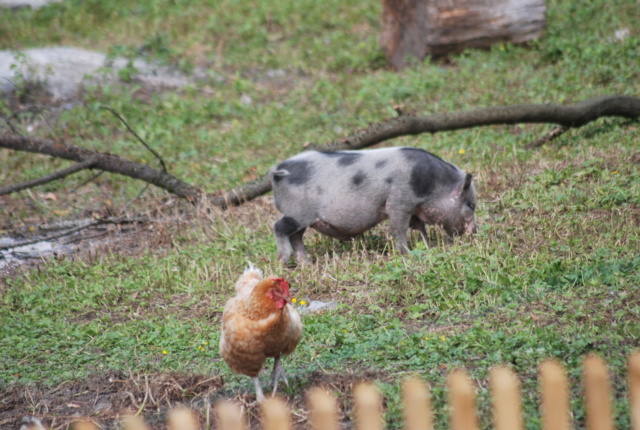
column 571, row 116
column 6, row 119
column 83, row 226
column 47, row 238
column 556, row 132
column 68, row 224
column 48, row 178
column 117, row 115
column 92, row 178
column 244, row 193
column 35, row 106
column 87, row 237
column 107, row 162
column 127, row 204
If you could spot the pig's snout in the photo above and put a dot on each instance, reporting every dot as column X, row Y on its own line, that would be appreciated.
column 471, row 227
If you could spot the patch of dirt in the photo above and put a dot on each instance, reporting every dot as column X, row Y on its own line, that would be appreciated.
column 107, row 399
column 127, row 238
column 152, row 227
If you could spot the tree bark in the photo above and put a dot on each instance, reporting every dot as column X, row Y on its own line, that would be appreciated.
column 571, row 116
column 102, row 161
column 440, row 27
column 48, row 178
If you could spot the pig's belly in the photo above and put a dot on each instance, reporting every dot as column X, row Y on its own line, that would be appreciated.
column 347, row 227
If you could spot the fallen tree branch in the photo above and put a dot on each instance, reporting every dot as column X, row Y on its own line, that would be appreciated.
column 553, row 134
column 571, row 116
column 150, row 149
column 47, row 238
column 14, row 130
column 48, row 178
column 68, row 224
column 105, row 161
column 70, row 231
column 34, row 106
column 92, row 178
column 87, row 237
column 243, row 193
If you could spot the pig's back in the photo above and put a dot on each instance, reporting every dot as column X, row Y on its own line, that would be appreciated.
column 331, row 185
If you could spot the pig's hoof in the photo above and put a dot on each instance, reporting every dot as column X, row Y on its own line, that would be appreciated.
column 303, row 261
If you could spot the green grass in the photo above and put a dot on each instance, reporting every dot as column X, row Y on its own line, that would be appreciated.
column 554, row 271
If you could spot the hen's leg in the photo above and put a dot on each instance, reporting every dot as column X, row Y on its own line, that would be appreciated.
column 278, row 372
column 259, row 393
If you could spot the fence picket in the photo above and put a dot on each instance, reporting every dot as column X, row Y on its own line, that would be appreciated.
column 323, row 410
column 135, row 423
column 229, row 416
column 462, row 401
column 507, row 408
column 597, row 394
column 554, row 391
column 182, row 419
column 84, row 425
column 634, row 389
column 418, row 413
column 275, row 414
column 368, row 407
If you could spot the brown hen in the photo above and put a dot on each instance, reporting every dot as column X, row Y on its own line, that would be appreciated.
column 259, row 323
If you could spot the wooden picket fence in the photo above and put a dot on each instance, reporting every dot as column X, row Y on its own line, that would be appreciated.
column 418, row 413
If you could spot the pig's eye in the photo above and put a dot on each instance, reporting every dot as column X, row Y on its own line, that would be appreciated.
column 472, row 206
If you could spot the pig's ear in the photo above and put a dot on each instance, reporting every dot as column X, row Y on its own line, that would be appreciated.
column 280, row 173
column 467, row 181
column 463, row 185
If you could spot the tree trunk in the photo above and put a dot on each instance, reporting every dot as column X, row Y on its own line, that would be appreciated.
column 439, row 27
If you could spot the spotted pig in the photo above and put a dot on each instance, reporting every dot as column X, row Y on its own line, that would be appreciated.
column 345, row 193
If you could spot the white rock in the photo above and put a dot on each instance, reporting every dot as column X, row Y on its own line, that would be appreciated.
column 246, row 99
column 317, row 306
column 33, row 4
column 622, row 34
column 63, row 70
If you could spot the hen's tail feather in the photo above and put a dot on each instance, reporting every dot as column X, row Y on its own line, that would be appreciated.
column 251, row 276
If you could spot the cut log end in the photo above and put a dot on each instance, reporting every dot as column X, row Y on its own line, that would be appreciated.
column 417, row 28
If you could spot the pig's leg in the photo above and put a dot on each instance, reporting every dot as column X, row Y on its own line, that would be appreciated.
column 399, row 221
column 284, row 248
column 284, row 228
column 298, row 246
